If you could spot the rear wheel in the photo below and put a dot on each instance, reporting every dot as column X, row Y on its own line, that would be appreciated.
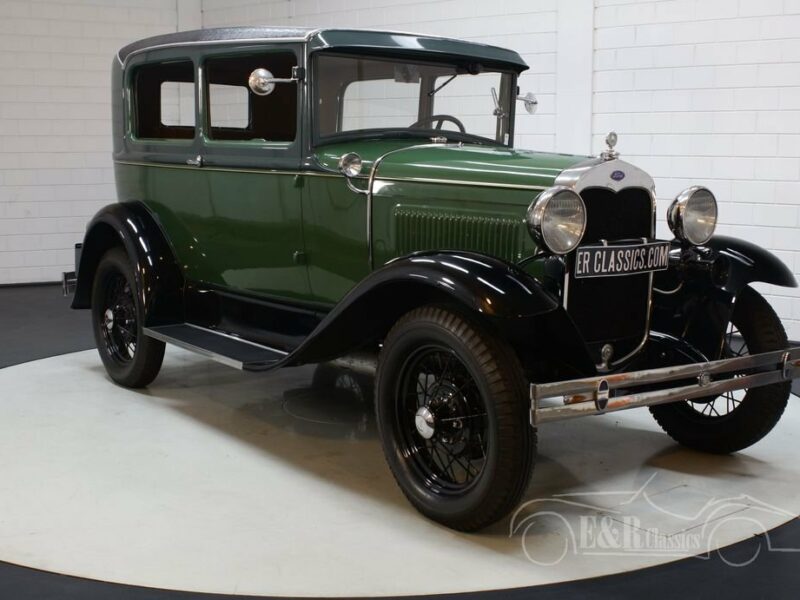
column 453, row 418
column 734, row 420
column 131, row 358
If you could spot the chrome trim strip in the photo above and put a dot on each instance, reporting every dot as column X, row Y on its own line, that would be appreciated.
column 232, row 169
column 579, row 395
column 513, row 186
column 334, row 174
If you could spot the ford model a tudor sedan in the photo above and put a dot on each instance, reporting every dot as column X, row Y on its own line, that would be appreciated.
column 292, row 196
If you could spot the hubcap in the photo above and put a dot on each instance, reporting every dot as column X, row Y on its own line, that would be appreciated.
column 108, row 319
column 426, row 426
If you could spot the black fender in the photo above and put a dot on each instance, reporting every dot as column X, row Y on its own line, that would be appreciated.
column 514, row 304
column 693, row 301
column 159, row 280
column 748, row 262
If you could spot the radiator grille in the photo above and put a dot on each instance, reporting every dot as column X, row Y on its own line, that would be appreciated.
column 612, row 309
column 425, row 229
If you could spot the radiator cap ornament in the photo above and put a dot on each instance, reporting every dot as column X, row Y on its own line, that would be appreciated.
column 611, row 141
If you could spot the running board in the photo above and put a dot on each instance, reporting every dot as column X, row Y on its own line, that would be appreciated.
column 221, row 347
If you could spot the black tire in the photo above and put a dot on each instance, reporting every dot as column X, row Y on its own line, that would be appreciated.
column 131, row 358
column 748, row 418
column 476, row 372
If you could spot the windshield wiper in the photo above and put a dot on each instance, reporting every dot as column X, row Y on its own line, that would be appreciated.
column 433, row 91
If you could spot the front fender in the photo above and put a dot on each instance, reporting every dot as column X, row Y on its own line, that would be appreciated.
column 499, row 294
column 748, row 262
column 158, row 277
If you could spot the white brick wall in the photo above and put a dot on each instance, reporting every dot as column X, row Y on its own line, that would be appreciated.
column 700, row 91
column 708, row 91
column 55, row 129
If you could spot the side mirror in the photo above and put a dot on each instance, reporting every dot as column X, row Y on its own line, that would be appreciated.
column 262, row 81
column 530, row 102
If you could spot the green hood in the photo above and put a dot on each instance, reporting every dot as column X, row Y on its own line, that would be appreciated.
column 467, row 163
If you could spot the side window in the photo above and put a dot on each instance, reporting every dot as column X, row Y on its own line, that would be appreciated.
column 236, row 113
column 164, row 101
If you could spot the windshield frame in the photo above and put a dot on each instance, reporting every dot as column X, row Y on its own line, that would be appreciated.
column 394, row 132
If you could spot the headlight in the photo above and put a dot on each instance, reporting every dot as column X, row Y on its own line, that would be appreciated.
column 557, row 219
column 692, row 216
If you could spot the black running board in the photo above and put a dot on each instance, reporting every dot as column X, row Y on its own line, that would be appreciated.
column 221, row 347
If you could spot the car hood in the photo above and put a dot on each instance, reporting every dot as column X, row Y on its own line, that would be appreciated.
column 455, row 163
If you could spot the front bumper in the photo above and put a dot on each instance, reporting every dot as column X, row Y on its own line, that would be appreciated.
column 610, row 393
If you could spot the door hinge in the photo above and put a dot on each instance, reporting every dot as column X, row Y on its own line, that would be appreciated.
column 298, row 181
column 299, row 257
column 298, row 73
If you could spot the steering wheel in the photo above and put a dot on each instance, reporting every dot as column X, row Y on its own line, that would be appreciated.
column 441, row 119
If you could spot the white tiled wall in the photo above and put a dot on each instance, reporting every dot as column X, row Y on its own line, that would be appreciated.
column 701, row 91
column 55, row 129
column 708, row 91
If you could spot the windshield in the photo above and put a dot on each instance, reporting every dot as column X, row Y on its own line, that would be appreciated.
column 360, row 97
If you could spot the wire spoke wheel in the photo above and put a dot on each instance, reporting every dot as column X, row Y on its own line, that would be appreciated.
column 738, row 419
column 441, row 420
column 734, row 346
column 131, row 358
column 118, row 319
column 451, row 411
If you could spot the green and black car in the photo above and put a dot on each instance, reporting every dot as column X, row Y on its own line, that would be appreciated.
column 291, row 196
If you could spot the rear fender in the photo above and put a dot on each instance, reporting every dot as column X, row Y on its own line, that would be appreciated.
column 159, row 281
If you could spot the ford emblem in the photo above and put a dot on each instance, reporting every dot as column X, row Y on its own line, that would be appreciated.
column 618, row 176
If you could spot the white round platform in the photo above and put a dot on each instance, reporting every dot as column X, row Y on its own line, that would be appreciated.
column 215, row 480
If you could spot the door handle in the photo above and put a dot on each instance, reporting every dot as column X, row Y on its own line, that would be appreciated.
column 195, row 162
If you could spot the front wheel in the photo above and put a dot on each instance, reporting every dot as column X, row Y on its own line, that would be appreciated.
column 734, row 420
column 131, row 358
column 453, row 419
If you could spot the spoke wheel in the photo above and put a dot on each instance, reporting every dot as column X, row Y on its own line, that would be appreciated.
column 734, row 345
column 733, row 421
column 118, row 319
column 452, row 415
column 131, row 358
column 442, row 420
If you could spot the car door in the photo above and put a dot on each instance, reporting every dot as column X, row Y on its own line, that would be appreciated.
column 252, row 240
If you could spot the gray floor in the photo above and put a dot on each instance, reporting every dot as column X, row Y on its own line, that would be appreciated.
column 36, row 322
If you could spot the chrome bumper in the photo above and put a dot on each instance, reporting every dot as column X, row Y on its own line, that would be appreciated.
column 596, row 395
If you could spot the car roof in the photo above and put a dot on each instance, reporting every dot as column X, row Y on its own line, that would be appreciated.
column 351, row 40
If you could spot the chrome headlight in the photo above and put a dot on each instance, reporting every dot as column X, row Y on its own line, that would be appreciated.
column 557, row 219
column 692, row 216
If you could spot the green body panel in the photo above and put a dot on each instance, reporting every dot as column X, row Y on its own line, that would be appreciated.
column 302, row 235
column 235, row 229
column 495, row 166
column 434, row 197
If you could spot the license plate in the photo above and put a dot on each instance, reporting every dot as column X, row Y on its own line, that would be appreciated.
column 609, row 261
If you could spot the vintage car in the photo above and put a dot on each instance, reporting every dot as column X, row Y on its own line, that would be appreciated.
column 292, row 196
